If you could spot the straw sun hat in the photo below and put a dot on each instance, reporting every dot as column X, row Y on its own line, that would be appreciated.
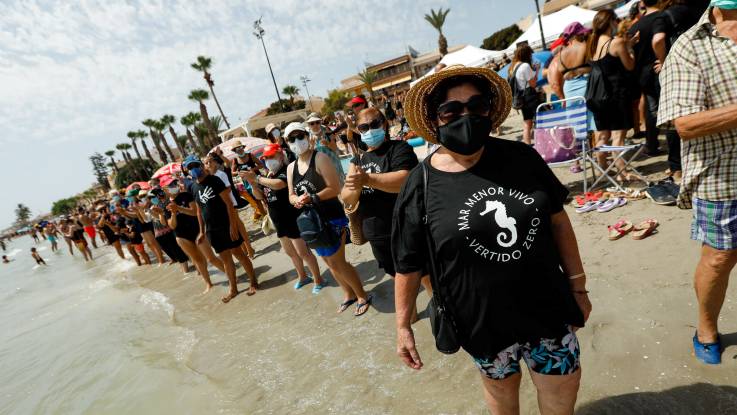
column 417, row 100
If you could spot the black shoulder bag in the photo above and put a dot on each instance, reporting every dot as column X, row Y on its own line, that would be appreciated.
column 441, row 320
column 314, row 229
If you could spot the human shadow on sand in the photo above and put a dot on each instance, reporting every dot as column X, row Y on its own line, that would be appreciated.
column 699, row 398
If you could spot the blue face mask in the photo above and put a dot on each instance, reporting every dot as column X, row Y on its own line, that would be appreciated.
column 373, row 138
column 725, row 4
column 197, row 172
column 155, row 201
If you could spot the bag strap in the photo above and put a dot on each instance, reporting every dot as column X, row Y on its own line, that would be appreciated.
column 434, row 269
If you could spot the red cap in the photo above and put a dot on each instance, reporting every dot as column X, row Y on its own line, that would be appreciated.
column 270, row 150
column 357, row 100
column 558, row 42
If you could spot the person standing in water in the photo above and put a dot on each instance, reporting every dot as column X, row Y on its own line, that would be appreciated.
column 217, row 222
column 37, row 257
column 76, row 234
column 83, row 217
column 51, row 235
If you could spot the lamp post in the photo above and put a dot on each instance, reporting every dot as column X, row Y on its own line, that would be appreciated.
column 305, row 80
column 540, row 22
column 259, row 33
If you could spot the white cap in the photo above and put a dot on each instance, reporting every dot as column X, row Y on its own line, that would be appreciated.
column 313, row 117
column 294, row 126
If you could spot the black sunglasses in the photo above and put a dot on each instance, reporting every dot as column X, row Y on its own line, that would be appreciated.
column 358, row 104
column 193, row 165
column 452, row 110
column 299, row 135
column 371, row 125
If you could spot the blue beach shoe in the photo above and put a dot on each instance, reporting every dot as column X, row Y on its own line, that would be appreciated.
column 709, row 353
column 301, row 283
column 316, row 289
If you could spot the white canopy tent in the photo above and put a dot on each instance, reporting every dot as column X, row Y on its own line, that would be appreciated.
column 553, row 26
column 469, row 56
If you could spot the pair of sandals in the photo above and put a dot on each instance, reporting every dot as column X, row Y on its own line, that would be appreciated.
column 638, row 232
column 308, row 280
column 602, row 206
column 361, row 308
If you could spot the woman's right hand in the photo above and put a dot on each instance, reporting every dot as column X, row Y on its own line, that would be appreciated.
column 406, row 349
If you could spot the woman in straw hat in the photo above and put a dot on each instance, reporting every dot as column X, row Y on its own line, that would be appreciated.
column 502, row 253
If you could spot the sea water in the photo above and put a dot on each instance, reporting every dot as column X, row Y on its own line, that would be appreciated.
column 84, row 337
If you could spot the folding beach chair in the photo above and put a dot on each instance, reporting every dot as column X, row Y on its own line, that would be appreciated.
column 570, row 112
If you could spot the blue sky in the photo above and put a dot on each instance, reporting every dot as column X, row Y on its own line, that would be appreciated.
column 77, row 75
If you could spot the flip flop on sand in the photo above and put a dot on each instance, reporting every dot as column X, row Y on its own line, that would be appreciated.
column 362, row 308
column 588, row 207
column 619, row 229
column 644, row 229
column 611, row 204
column 345, row 304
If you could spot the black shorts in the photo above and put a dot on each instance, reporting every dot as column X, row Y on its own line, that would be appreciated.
column 382, row 250
column 287, row 228
column 147, row 227
column 528, row 111
column 168, row 244
column 220, row 240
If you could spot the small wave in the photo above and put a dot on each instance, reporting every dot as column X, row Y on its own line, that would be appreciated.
column 185, row 345
column 41, row 248
column 13, row 253
column 99, row 285
column 157, row 301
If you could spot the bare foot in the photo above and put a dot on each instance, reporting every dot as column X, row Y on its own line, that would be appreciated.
column 207, row 289
column 252, row 289
column 229, row 297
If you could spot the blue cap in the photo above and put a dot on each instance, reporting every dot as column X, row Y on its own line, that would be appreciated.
column 190, row 159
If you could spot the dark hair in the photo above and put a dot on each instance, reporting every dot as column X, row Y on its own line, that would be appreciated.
column 650, row 3
column 523, row 54
column 439, row 94
column 602, row 25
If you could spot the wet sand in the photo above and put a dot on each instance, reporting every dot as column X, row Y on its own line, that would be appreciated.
column 286, row 351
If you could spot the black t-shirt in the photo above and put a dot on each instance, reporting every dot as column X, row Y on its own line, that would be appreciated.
column 214, row 210
column 187, row 225
column 677, row 19
column 376, row 206
column 280, row 210
column 499, row 266
column 648, row 26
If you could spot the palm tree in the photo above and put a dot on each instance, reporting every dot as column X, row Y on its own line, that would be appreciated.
column 189, row 121
column 290, row 90
column 368, row 78
column 151, row 124
column 159, row 129
column 168, row 120
column 199, row 96
column 437, row 20
column 111, row 153
column 133, row 135
column 141, row 136
column 203, row 65
column 121, row 148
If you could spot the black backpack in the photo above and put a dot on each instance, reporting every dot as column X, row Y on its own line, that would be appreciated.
column 598, row 90
column 518, row 94
column 315, row 230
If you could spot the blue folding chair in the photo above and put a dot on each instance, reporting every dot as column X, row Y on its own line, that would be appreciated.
column 570, row 112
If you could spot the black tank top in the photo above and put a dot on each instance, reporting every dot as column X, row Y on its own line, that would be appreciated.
column 613, row 69
column 312, row 182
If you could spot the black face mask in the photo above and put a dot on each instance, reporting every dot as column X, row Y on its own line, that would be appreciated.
column 465, row 135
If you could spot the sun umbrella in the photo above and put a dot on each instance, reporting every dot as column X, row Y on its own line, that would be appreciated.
column 169, row 169
column 254, row 145
column 142, row 185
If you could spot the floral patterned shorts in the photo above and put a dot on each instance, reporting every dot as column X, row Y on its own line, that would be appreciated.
column 559, row 356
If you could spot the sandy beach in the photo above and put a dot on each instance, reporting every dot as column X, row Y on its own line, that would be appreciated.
column 287, row 351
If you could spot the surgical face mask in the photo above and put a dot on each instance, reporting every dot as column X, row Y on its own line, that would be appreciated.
column 116, row 198
column 466, row 135
column 374, row 137
column 725, row 4
column 155, row 201
column 300, row 146
column 273, row 164
column 197, row 172
column 276, row 133
column 173, row 190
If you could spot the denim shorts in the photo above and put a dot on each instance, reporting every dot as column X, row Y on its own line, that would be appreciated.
column 715, row 223
column 558, row 356
column 338, row 225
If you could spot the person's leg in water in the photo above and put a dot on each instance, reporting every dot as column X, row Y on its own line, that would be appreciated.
column 141, row 249
column 69, row 245
column 304, row 253
column 241, row 256
column 339, row 266
column 207, row 252
column 90, row 230
column 227, row 258
column 118, row 249
column 150, row 240
column 133, row 253
column 291, row 252
column 199, row 261
column 246, row 239
column 82, row 247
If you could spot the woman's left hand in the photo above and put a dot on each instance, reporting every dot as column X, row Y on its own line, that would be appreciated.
column 582, row 299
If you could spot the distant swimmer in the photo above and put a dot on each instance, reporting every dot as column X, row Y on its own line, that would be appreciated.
column 37, row 257
column 5, row 259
